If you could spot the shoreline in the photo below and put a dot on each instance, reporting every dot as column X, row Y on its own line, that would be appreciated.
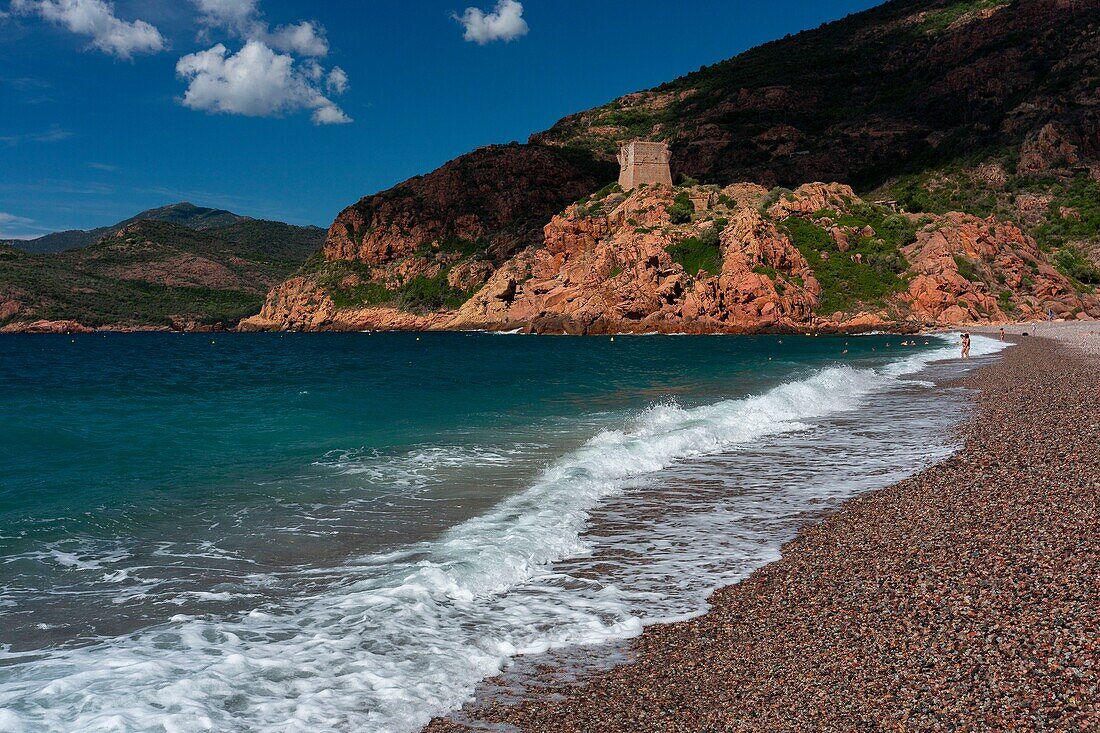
column 958, row 598
column 1040, row 328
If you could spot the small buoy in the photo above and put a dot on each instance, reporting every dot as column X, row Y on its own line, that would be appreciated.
column 213, row 341
column 417, row 338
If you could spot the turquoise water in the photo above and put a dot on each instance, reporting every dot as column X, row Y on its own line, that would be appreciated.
column 347, row 531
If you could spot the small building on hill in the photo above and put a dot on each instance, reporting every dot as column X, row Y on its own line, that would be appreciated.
column 644, row 162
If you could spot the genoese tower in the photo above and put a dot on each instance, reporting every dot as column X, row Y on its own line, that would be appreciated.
column 644, row 162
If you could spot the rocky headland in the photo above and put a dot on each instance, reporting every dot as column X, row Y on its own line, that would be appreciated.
column 974, row 123
column 701, row 259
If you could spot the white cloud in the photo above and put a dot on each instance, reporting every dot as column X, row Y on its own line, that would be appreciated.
column 337, row 80
column 243, row 19
column 504, row 23
column 330, row 114
column 256, row 82
column 17, row 227
column 52, row 135
column 274, row 74
column 97, row 19
column 305, row 39
column 236, row 15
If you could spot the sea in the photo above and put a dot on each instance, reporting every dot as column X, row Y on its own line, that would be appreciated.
column 349, row 532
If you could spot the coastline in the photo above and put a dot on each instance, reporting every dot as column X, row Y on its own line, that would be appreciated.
column 853, row 327
column 962, row 597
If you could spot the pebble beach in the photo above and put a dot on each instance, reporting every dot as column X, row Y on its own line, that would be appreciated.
column 966, row 598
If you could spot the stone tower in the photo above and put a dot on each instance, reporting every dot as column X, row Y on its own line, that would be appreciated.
column 642, row 162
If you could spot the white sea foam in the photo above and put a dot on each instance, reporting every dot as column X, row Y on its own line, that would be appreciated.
column 413, row 631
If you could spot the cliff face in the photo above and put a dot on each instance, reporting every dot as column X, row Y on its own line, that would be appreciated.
column 818, row 258
column 494, row 200
column 630, row 271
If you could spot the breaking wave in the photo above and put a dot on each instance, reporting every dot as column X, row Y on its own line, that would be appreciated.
column 408, row 634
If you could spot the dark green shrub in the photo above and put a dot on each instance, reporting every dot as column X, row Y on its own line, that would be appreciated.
column 681, row 209
column 1072, row 263
column 701, row 253
column 607, row 191
column 844, row 282
column 967, row 268
column 430, row 294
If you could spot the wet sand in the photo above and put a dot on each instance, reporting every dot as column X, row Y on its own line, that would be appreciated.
column 964, row 598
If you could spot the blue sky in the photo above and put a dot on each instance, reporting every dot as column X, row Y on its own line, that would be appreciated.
column 291, row 110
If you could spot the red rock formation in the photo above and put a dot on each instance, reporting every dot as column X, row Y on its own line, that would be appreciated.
column 1047, row 148
column 997, row 253
column 813, row 197
column 612, row 272
column 9, row 307
column 300, row 304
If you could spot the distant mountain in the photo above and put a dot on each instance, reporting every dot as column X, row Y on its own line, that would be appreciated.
column 184, row 213
column 156, row 272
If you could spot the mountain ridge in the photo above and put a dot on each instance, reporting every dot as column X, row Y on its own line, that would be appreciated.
column 153, row 274
column 184, row 212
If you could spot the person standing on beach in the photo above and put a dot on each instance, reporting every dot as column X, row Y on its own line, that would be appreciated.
column 1002, row 333
column 966, row 346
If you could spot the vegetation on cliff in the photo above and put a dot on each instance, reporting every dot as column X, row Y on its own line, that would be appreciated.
column 698, row 254
column 901, row 88
column 352, row 284
column 1060, row 209
column 847, row 281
